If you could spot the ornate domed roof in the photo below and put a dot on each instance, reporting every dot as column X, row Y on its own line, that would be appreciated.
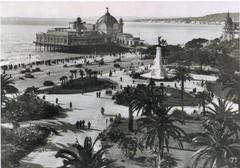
column 108, row 19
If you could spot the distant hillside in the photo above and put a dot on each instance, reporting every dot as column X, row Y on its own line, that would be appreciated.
column 35, row 21
column 51, row 21
column 219, row 17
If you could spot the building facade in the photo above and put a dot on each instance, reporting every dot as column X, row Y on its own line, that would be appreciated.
column 107, row 30
column 230, row 29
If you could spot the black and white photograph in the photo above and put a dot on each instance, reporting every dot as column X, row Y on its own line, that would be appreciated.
column 120, row 84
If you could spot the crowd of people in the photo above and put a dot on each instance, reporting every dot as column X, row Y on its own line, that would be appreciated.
column 81, row 124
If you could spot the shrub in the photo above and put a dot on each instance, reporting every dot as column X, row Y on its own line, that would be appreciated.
column 78, row 66
column 117, row 60
column 114, row 134
column 117, row 66
column 129, row 146
column 125, row 96
column 48, row 83
column 18, row 142
column 36, row 70
column 28, row 106
column 32, row 89
column 28, row 75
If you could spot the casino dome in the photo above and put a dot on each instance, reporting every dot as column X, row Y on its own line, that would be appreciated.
column 108, row 25
column 107, row 19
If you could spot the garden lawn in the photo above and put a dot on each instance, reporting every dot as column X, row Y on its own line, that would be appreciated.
column 80, row 85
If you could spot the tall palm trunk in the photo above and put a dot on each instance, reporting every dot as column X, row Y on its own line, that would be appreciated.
column 160, row 152
column 159, row 159
column 182, row 90
column 130, row 118
column 204, row 105
column 239, row 106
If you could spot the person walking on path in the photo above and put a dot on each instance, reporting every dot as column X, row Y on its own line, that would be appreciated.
column 99, row 94
column 102, row 111
column 106, row 122
column 70, row 104
column 44, row 97
column 77, row 124
column 57, row 100
column 89, row 125
column 83, row 123
column 80, row 123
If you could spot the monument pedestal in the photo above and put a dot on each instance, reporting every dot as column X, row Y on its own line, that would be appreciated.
column 157, row 69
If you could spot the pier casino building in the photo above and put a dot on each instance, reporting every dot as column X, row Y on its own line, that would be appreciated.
column 106, row 33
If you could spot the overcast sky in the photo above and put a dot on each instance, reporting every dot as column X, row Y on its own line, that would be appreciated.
column 162, row 9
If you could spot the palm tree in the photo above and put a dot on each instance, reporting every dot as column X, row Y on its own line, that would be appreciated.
column 75, row 73
column 72, row 72
column 7, row 87
column 215, row 146
column 222, row 112
column 146, row 98
column 81, row 73
column 65, row 78
column 158, row 128
column 95, row 74
column 169, row 161
column 84, row 157
column 203, row 97
column 129, row 146
column 129, row 94
column 61, row 79
column 89, row 72
column 71, row 77
column 234, row 86
column 182, row 74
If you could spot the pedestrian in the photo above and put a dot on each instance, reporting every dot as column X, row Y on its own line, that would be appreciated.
column 57, row 100
column 121, row 79
column 80, row 123
column 89, row 125
column 110, row 73
column 70, row 105
column 43, row 97
column 99, row 94
column 77, row 124
column 83, row 123
column 102, row 111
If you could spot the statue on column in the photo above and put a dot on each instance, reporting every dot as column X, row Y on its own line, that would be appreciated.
column 161, row 42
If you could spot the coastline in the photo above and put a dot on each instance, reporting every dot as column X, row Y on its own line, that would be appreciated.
column 57, row 70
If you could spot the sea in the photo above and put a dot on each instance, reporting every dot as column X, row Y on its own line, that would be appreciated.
column 17, row 40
